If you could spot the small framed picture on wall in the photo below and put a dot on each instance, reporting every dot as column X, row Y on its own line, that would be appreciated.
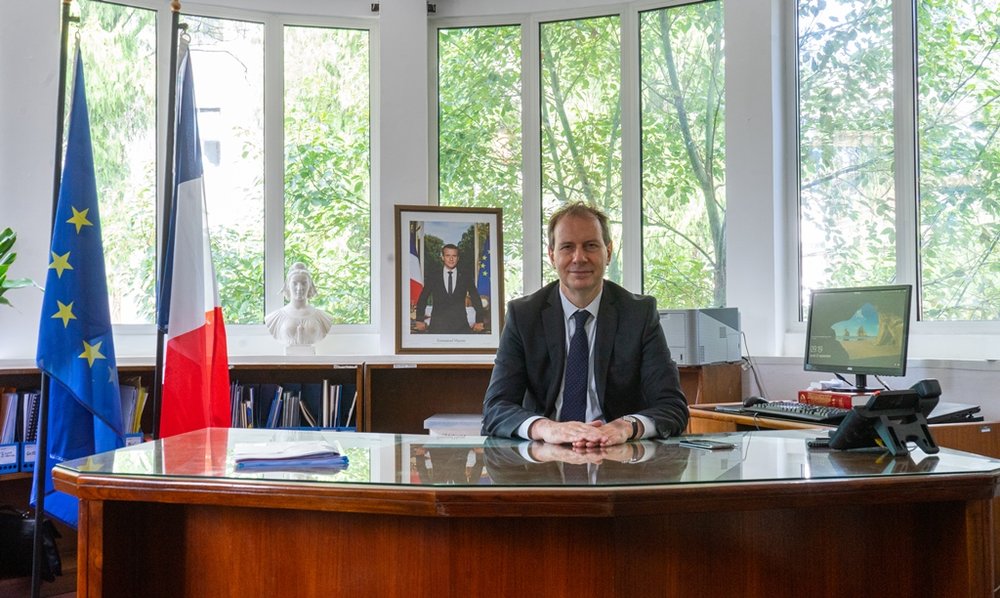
column 449, row 279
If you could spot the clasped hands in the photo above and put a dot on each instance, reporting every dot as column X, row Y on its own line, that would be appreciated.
column 544, row 452
column 581, row 434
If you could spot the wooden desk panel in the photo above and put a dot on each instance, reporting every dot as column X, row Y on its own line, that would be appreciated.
column 197, row 550
column 981, row 438
column 170, row 535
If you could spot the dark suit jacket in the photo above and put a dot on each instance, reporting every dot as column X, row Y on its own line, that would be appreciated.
column 448, row 315
column 632, row 364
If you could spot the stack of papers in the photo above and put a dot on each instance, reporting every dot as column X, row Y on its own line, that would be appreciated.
column 288, row 456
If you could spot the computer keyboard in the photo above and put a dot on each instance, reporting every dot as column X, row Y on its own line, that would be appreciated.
column 799, row 412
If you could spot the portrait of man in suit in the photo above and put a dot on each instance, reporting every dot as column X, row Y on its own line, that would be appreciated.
column 583, row 361
column 450, row 291
column 450, row 295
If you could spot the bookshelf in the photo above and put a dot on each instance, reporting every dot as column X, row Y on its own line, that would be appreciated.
column 399, row 396
column 277, row 371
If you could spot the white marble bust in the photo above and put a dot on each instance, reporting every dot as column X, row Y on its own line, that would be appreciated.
column 298, row 324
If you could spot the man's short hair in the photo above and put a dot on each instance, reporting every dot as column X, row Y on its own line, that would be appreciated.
column 581, row 209
column 450, row 246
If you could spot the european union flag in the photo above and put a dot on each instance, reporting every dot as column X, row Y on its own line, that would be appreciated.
column 75, row 345
column 483, row 271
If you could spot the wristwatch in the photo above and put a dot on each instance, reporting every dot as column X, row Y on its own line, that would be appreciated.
column 635, row 425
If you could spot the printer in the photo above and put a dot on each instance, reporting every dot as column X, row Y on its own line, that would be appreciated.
column 700, row 336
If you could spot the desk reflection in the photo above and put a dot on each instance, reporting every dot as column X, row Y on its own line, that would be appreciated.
column 443, row 464
column 540, row 464
column 502, row 462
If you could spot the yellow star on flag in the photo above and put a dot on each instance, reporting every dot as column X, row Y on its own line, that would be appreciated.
column 60, row 263
column 91, row 352
column 65, row 313
column 80, row 219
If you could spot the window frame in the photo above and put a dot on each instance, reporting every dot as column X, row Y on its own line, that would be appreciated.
column 951, row 338
column 273, row 147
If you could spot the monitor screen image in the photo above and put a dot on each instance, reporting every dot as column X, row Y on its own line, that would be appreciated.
column 860, row 331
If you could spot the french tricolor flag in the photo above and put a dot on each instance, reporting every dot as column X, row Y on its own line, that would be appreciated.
column 196, row 369
column 416, row 274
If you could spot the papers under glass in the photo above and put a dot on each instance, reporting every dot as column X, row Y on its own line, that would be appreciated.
column 299, row 455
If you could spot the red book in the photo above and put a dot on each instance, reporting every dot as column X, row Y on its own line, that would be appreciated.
column 833, row 398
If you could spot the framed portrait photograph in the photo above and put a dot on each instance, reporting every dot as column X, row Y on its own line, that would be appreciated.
column 449, row 279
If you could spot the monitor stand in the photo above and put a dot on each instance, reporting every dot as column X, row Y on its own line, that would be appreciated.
column 861, row 384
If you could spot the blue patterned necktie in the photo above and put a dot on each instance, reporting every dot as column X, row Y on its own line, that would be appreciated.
column 574, row 404
column 449, row 282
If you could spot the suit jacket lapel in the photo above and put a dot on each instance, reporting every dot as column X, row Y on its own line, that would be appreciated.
column 554, row 325
column 607, row 329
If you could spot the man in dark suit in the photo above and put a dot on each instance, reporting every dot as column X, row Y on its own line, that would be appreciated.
column 629, row 387
column 447, row 292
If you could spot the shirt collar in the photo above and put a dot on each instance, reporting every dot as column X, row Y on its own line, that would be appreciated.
column 569, row 309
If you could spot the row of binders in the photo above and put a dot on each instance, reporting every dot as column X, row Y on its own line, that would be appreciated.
column 294, row 405
column 18, row 429
column 19, row 423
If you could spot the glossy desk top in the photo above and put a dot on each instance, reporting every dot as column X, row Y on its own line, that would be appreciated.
column 415, row 461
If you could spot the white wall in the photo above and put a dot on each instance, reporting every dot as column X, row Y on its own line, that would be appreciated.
column 29, row 60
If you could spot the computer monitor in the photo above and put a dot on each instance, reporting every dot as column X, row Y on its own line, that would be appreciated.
column 860, row 331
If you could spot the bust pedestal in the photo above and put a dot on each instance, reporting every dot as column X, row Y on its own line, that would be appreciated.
column 300, row 350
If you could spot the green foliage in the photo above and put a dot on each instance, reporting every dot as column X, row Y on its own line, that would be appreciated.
column 581, row 111
column 7, row 239
column 848, row 160
column 229, row 54
column 683, row 139
column 959, row 68
column 119, row 52
column 479, row 131
column 683, row 155
column 327, row 166
column 581, row 121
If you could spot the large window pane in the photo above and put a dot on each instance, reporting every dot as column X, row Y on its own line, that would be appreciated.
column 959, row 79
column 581, row 122
column 479, row 131
column 847, row 193
column 683, row 156
column 327, row 166
column 227, row 58
column 119, row 51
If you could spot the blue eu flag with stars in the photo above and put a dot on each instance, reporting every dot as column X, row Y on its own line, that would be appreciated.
column 75, row 346
column 483, row 270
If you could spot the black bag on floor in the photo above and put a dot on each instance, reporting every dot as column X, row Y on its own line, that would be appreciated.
column 17, row 540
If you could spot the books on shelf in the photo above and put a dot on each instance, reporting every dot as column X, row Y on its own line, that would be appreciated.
column 133, row 395
column 29, row 415
column 843, row 399
column 9, row 403
column 293, row 405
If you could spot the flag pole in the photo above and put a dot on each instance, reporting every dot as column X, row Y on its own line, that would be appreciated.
column 168, row 205
column 41, row 438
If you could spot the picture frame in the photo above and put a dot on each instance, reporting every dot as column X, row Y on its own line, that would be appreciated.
column 472, row 240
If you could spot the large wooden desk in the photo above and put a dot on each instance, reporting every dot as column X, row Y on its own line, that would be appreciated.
column 431, row 516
